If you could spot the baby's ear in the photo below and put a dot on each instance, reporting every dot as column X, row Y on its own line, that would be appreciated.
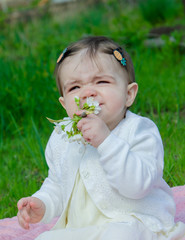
column 61, row 100
column 131, row 93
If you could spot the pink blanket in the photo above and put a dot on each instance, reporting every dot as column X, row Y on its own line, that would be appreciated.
column 10, row 229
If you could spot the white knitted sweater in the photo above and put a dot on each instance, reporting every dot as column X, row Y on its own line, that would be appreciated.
column 123, row 176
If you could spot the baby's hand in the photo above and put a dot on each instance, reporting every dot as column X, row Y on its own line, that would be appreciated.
column 94, row 129
column 30, row 210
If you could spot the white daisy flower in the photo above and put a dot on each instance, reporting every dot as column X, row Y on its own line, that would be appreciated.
column 77, row 98
column 93, row 103
column 77, row 138
column 74, row 134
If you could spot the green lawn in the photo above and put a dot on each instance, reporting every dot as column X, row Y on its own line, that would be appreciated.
column 28, row 52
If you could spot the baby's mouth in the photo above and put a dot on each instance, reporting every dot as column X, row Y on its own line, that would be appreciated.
column 101, row 104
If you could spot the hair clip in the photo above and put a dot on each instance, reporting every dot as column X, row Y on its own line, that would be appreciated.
column 119, row 56
column 61, row 55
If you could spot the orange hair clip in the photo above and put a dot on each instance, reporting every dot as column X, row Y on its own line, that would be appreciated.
column 61, row 56
column 119, row 56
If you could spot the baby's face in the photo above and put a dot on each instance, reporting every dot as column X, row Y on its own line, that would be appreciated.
column 104, row 80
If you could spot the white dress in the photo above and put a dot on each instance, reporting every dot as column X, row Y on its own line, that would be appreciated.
column 82, row 220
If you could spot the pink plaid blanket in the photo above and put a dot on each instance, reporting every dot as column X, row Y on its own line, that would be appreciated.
column 10, row 229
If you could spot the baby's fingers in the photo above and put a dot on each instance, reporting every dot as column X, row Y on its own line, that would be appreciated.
column 24, row 216
column 23, row 219
column 22, row 203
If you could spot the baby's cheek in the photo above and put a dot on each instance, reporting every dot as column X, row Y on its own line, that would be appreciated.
column 70, row 113
column 71, row 109
column 116, row 110
column 116, row 106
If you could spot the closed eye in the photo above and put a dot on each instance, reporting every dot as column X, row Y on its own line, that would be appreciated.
column 103, row 82
column 73, row 88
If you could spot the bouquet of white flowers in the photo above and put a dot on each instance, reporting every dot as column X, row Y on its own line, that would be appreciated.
column 89, row 107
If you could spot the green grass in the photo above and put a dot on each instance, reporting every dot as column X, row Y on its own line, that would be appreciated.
column 156, row 11
column 28, row 94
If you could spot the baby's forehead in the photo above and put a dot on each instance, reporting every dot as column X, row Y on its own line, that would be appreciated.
column 82, row 65
column 105, row 62
column 98, row 59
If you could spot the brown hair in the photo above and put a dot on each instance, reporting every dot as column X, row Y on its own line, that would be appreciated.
column 94, row 44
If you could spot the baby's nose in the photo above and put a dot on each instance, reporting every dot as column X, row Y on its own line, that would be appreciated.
column 88, row 92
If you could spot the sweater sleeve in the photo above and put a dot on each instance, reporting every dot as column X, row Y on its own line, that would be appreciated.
column 50, row 191
column 134, row 164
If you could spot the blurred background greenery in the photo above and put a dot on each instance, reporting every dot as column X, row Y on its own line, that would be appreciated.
column 33, row 34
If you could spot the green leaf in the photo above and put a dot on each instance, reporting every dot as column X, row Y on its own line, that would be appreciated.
column 77, row 101
column 63, row 127
column 54, row 121
column 86, row 106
